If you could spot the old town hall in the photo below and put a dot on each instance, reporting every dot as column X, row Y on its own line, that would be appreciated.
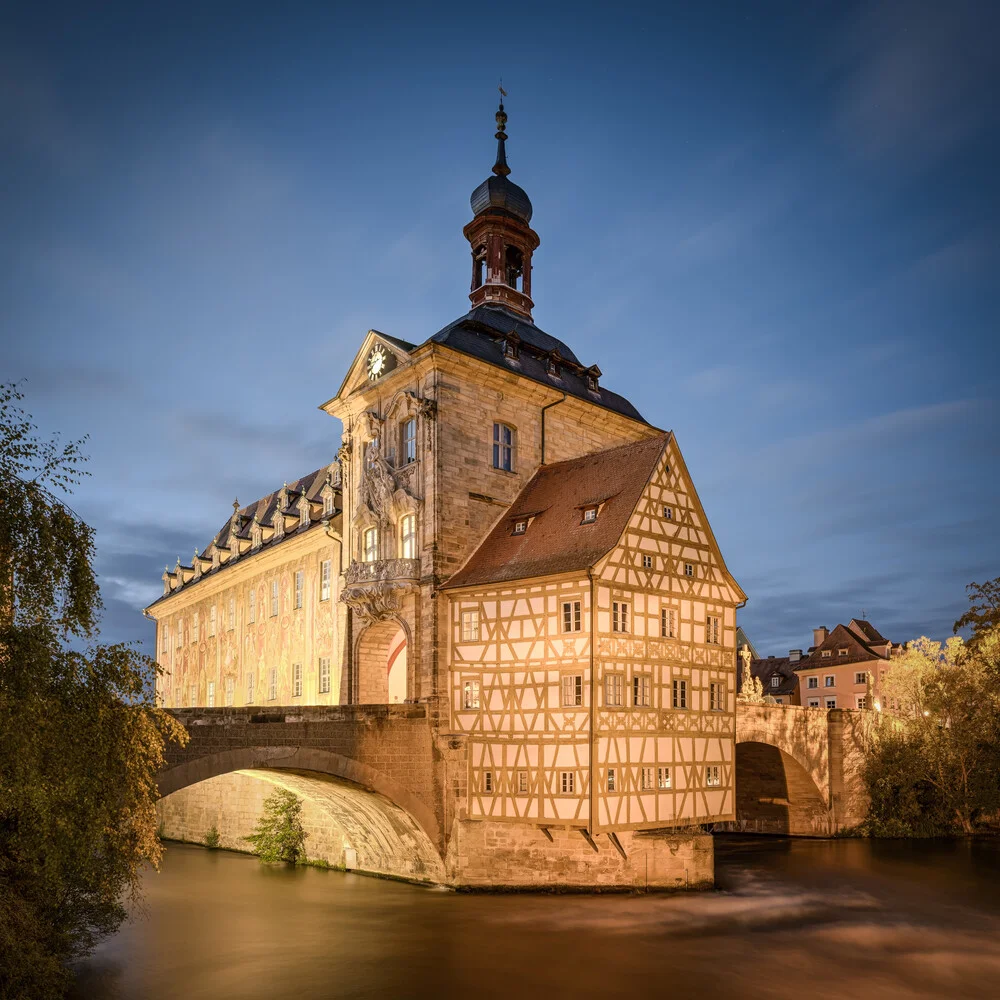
column 508, row 543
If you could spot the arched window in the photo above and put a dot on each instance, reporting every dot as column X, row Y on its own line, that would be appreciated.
column 503, row 447
column 513, row 266
column 408, row 536
column 369, row 551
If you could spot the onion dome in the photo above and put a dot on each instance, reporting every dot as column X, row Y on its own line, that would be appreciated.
column 497, row 191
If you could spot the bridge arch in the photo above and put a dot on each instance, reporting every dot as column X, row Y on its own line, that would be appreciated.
column 382, row 669
column 776, row 794
column 378, row 825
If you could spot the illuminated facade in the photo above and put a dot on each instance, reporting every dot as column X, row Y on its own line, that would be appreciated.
column 519, row 551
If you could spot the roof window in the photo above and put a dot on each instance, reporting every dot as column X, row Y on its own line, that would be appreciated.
column 510, row 348
column 589, row 515
column 520, row 527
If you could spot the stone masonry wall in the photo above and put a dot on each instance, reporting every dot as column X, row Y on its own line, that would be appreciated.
column 507, row 855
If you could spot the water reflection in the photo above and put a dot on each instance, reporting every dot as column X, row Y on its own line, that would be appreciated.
column 823, row 918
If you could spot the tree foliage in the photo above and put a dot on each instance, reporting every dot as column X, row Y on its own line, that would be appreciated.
column 279, row 835
column 934, row 768
column 984, row 609
column 80, row 738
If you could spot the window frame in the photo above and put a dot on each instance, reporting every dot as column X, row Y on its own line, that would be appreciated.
column 369, row 545
column 300, row 589
column 471, row 625
column 614, row 689
column 408, row 440
column 642, row 690
column 324, row 675
column 567, row 782
column 713, row 776
column 297, row 685
column 679, row 692
column 647, row 561
column 812, row 683
column 713, row 629
column 663, row 781
column 325, row 579
column 571, row 618
column 621, row 613
column 668, row 623
column 860, row 677
column 571, row 691
column 408, row 536
column 503, row 449
column 471, row 694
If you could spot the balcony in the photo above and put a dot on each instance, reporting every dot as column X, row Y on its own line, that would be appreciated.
column 383, row 571
column 374, row 590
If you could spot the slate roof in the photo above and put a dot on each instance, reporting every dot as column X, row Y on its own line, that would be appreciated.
column 556, row 540
column 266, row 508
column 767, row 668
column 481, row 333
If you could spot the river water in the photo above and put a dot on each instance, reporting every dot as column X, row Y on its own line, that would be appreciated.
column 791, row 918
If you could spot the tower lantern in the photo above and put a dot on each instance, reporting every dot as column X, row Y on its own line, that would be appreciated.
column 501, row 238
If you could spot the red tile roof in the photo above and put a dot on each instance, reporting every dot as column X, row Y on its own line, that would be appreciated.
column 556, row 540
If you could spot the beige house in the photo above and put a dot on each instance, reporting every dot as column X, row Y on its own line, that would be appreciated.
column 505, row 541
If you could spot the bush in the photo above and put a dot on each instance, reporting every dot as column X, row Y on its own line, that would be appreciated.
column 279, row 835
column 212, row 839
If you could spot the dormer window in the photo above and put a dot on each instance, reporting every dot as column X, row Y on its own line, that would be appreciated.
column 826, row 652
column 328, row 505
column 552, row 367
column 841, row 652
column 593, row 373
column 775, row 681
column 520, row 527
column 589, row 515
column 592, row 383
column 510, row 349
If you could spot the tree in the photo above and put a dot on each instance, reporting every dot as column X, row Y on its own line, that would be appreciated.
column 81, row 739
column 279, row 835
column 934, row 768
column 984, row 609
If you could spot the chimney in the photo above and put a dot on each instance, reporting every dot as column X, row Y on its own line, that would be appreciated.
column 794, row 655
column 819, row 635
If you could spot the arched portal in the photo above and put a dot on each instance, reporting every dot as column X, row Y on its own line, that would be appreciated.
column 775, row 794
column 381, row 664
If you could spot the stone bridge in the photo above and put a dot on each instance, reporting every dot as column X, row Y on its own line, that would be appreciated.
column 798, row 769
column 369, row 778
column 378, row 790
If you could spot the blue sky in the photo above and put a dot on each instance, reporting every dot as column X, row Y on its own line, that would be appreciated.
column 774, row 227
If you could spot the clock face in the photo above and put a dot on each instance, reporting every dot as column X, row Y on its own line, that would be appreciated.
column 377, row 362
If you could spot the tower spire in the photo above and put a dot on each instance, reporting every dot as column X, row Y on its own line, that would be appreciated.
column 500, row 168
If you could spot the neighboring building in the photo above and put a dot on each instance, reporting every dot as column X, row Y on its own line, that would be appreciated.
column 518, row 549
column 833, row 672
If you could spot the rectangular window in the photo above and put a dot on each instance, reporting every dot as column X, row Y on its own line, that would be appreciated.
column 716, row 697
column 211, row 694
column 522, row 782
column 328, row 505
column 193, row 695
column 250, row 679
column 503, row 447
column 272, row 685
column 829, row 681
column 324, row 675
column 296, row 680
column 324, row 580
column 520, row 527
column 647, row 562
column 369, row 552
column 470, row 694
column 860, row 701
column 688, row 569
column 641, row 688
column 230, row 690
column 165, row 639
column 775, row 681
column 861, row 677
column 831, row 702
column 712, row 777
column 619, row 616
column 842, row 652
column 812, row 682
column 712, row 629
column 668, row 513
column 680, row 694
column 663, row 777
column 614, row 690
column 572, row 690
column 408, row 537
column 409, row 441
column 668, row 623
column 180, row 631
column 211, row 620
column 300, row 579
column 646, row 779
column 470, row 626
column 813, row 703
column 589, row 515
column 232, row 613
column 488, row 782
column 252, row 606
column 274, row 598
column 195, row 628
column 571, row 616
column 567, row 780
column 826, row 652
column 611, row 779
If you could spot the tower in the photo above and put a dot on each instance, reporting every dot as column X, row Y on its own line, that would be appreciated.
column 501, row 238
